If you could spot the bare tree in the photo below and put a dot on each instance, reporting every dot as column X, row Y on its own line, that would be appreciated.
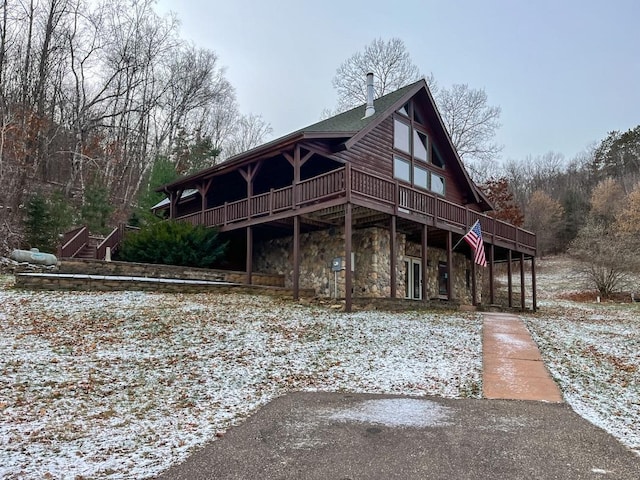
column 471, row 122
column 390, row 64
column 543, row 216
column 251, row 131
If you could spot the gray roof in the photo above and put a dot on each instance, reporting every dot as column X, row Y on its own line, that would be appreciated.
column 346, row 124
column 352, row 121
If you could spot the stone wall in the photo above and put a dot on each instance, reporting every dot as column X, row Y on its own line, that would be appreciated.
column 118, row 283
column 371, row 277
column 131, row 269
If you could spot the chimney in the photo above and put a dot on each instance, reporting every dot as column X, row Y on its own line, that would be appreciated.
column 370, row 110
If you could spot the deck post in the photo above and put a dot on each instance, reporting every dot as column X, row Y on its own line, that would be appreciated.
column 393, row 253
column 424, row 263
column 296, row 176
column 522, row 292
column 450, row 265
column 509, row 279
column 348, row 280
column 492, row 292
column 533, row 284
column 296, row 257
column 249, row 259
column 474, row 287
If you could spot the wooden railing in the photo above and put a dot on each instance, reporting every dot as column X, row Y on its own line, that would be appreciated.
column 113, row 240
column 77, row 239
column 347, row 181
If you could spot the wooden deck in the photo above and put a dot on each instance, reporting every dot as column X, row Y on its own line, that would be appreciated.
column 360, row 188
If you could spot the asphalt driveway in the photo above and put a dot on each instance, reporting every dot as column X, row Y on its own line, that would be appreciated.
column 351, row 436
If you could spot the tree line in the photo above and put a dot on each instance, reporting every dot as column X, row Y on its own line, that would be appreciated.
column 94, row 92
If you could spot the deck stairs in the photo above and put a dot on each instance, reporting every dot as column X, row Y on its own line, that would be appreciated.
column 80, row 244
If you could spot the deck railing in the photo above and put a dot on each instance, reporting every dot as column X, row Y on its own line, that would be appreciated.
column 349, row 181
column 75, row 243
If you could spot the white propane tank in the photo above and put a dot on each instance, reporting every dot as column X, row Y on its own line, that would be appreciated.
column 34, row 256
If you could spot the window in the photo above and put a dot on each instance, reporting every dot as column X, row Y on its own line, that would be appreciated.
column 420, row 177
column 437, row 184
column 402, row 169
column 414, row 151
column 401, row 136
column 436, row 158
column 420, row 145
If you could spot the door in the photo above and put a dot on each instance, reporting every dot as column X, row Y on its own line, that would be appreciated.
column 443, row 277
column 413, row 279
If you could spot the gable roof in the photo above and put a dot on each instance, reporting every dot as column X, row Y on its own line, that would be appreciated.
column 352, row 121
column 350, row 126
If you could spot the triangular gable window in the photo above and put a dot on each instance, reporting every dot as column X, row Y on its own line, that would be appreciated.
column 404, row 110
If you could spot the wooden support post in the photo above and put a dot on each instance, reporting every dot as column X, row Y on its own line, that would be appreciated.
column 348, row 280
column 393, row 257
column 450, row 265
column 509, row 279
column 522, row 290
column 474, row 288
column 249, row 259
column 492, row 291
column 425, row 295
column 533, row 285
column 296, row 257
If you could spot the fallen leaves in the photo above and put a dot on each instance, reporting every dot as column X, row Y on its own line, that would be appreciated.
column 135, row 381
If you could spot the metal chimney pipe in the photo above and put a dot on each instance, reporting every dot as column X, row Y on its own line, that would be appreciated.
column 370, row 109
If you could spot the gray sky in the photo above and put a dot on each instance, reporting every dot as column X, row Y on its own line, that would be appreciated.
column 564, row 72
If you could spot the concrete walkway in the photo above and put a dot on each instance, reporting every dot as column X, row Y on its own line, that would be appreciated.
column 512, row 366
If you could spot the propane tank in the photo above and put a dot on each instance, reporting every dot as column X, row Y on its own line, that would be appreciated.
column 34, row 256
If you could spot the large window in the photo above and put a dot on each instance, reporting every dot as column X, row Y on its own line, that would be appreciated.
column 420, row 177
column 420, row 145
column 402, row 169
column 437, row 184
column 415, row 156
column 401, row 136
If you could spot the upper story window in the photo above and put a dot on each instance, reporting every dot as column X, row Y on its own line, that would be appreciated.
column 415, row 156
column 401, row 136
column 420, row 145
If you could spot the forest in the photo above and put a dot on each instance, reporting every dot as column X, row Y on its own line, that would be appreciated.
column 93, row 94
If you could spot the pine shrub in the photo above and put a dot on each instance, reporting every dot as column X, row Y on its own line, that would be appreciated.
column 173, row 243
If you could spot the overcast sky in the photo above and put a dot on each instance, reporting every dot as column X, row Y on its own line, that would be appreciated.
column 564, row 72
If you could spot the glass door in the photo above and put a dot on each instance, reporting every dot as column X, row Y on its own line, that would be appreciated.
column 443, row 277
column 413, row 279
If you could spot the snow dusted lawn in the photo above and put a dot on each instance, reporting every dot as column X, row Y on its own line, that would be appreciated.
column 593, row 352
column 122, row 385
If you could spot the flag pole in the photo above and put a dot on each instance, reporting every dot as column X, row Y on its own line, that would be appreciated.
column 462, row 238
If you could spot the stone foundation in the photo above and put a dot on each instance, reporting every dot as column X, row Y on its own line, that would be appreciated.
column 371, row 275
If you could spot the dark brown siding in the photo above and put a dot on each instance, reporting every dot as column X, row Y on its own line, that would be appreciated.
column 374, row 152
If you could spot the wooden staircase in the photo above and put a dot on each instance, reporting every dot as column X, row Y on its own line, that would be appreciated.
column 79, row 243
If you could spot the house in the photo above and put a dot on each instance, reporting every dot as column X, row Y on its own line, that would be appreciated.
column 368, row 203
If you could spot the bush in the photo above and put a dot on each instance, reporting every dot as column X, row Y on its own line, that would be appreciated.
column 173, row 243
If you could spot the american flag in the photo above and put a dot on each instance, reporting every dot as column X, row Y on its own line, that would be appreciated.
column 474, row 238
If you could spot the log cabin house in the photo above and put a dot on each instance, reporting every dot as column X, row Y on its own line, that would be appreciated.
column 368, row 203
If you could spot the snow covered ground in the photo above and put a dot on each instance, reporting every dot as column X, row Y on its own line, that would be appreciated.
column 122, row 385
column 592, row 350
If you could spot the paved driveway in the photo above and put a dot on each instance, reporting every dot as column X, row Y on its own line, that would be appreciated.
column 348, row 437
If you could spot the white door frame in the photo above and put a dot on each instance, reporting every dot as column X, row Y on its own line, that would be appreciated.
column 413, row 285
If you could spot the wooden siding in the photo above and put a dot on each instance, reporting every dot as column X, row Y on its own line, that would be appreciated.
column 374, row 152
